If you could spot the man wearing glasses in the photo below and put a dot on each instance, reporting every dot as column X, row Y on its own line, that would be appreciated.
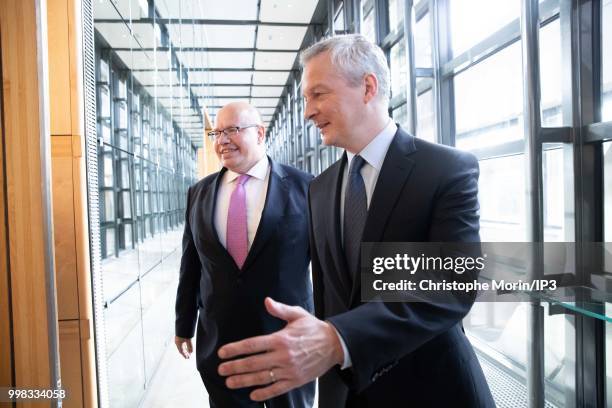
column 246, row 238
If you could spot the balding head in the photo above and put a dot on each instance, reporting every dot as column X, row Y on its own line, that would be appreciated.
column 242, row 111
column 243, row 149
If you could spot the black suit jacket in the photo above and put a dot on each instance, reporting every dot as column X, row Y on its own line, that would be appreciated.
column 230, row 301
column 403, row 354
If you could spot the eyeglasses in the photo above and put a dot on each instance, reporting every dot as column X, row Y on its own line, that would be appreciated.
column 229, row 131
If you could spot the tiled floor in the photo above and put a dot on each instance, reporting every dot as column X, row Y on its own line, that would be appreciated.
column 176, row 383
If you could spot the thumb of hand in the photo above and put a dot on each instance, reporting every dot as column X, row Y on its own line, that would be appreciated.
column 283, row 311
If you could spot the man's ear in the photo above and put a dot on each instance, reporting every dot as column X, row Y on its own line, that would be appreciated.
column 371, row 87
column 261, row 134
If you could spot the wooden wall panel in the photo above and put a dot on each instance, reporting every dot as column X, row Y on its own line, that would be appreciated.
column 207, row 160
column 28, row 236
column 70, row 204
column 6, row 352
column 63, row 220
column 59, row 61
column 201, row 162
column 71, row 362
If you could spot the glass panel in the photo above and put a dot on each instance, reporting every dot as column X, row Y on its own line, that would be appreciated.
column 422, row 43
column 501, row 194
column 500, row 328
column 425, row 117
column 396, row 15
column 127, row 208
column 127, row 236
column 398, row 69
column 109, row 205
column 108, row 165
column 550, row 74
column 608, row 309
column 104, row 101
column 125, row 358
column 559, row 365
column 143, row 136
column 400, row 116
column 110, row 241
column 606, row 60
column 472, row 21
column 368, row 25
column 489, row 101
column 607, row 191
column 105, row 131
column 558, row 216
column 339, row 21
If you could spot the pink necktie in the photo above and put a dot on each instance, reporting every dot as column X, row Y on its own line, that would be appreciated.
column 237, row 239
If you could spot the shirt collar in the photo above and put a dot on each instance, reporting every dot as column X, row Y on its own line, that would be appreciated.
column 258, row 171
column 375, row 151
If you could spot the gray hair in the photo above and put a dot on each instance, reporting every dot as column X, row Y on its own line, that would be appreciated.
column 354, row 56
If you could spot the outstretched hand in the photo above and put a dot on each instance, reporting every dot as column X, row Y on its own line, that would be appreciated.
column 303, row 350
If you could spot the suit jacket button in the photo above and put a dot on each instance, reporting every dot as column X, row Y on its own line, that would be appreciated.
column 239, row 281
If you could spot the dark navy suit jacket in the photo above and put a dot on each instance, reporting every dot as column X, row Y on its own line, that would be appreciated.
column 230, row 301
column 403, row 354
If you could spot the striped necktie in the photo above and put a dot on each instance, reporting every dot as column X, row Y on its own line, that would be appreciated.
column 355, row 213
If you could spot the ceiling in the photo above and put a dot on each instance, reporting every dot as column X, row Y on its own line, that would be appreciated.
column 219, row 52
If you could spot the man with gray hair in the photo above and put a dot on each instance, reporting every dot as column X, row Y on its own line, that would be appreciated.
column 388, row 187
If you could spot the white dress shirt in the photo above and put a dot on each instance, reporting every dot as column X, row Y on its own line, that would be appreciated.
column 255, row 188
column 374, row 155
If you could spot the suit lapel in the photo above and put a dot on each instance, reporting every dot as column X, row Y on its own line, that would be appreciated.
column 274, row 208
column 209, row 208
column 209, row 204
column 394, row 173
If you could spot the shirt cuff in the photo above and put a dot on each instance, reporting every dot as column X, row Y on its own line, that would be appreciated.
column 347, row 363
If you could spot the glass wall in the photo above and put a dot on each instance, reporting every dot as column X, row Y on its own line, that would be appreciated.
column 149, row 127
